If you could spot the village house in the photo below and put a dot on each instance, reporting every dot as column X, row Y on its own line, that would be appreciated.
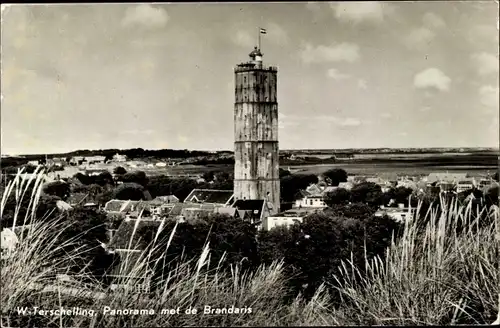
column 210, row 196
column 313, row 196
column 287, row 218
column 464, row 185
column 399, row 214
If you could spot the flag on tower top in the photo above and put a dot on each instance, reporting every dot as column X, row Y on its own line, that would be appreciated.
column 263, row 31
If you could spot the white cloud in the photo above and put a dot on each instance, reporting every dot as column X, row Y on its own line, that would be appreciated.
column 276, row 34
column 349, row 122
column 145, row 15
column 348, row 52
column 425, row 109
column 386, row 115
column 333, row 73
column 357, row 12
column 486, row 63
column 432, row 78
column 482, row 34
column 346, row 121
column 244, row 39
column 419, row 38
column 489, row 96
column 362, row 84
column 431, row 20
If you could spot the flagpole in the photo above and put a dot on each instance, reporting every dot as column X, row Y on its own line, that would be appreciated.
column 259, row 38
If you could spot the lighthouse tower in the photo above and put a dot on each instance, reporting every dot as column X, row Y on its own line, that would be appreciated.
column 256, row 170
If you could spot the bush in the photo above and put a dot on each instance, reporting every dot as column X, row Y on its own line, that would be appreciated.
column 129, row 191
column 336, row 176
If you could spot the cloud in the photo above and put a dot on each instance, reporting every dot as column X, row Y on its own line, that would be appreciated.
column 146, row 16
column 276, row 33
column 386, row 115
column 358, row 12
column 486, row 63
column 339, row 121
column 425, row 109
column 348, row 52
column 418, row 38
column 431, row 20
column 432, row 78
column 244, row 39
column 362, row 84
column 482, row 34
column 333, row 73
column 489, row 96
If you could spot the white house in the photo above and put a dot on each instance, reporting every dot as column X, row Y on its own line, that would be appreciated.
column 310, row 200
column 275, row 221
column 464, row 185
column 399, row 214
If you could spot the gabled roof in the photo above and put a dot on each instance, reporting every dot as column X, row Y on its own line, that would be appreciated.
column 438, row 176
column 167, row 199
column 209, row 196
column 179, row 207
column 231, row 211
column 253, row 206
column 116, row 205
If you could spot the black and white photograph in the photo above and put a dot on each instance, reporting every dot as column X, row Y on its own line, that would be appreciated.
column 250, row 164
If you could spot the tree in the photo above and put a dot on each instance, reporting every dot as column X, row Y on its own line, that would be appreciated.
column 119, row 170
column 104, row 178
column 336, row 176
column 367, row 192
column 138, row 177
column 402, row 194
column 226, row 235
column 57, row 188
column 284, row 173
column 491, row 196
column 337, row 196
column 208, row 176
column 129, row 191
column 86, row 229
column 292, row 184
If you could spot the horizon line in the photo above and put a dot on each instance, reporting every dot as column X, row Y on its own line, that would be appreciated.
column 227, row 150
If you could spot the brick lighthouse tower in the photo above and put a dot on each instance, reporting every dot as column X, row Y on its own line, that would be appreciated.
column 256, row 169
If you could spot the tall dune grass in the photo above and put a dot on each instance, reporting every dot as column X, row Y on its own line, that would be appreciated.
column 435, row 274
column 27, row 280
column 445, row 271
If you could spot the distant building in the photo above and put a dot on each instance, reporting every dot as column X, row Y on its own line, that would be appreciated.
column 119, row 158
column 399, row 214
column 95, row 160
column 447, row 177
column 464, row 185
column 310, row 200
column 33, row 163
column 276, row 221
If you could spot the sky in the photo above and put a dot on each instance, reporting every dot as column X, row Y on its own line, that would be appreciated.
column 350, row 75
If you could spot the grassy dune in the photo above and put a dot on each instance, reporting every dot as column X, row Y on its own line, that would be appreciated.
column 433, row 275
